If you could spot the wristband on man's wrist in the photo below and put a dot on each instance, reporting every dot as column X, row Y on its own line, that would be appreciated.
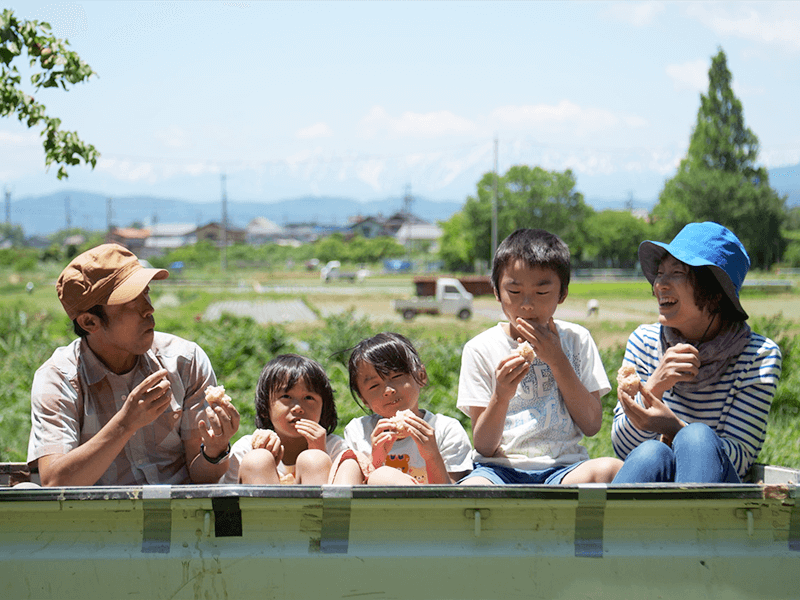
column 219, row 458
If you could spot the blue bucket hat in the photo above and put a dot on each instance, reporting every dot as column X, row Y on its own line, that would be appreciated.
column 703, row 245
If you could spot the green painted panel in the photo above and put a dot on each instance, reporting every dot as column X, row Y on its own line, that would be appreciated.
column 424, row 542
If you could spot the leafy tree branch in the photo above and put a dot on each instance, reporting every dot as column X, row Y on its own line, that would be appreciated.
column 58, row 66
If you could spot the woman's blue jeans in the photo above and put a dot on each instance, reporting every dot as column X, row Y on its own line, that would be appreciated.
column 696, row 456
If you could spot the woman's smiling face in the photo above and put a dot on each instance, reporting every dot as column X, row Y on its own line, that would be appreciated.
column 677, row 308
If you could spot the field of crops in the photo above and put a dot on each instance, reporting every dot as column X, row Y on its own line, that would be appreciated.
column 32, row 325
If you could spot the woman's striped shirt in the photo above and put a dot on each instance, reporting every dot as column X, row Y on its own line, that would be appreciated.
column 735, row 407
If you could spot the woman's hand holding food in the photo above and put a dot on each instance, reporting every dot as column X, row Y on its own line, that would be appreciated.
column 680, row 362
column 654, row 415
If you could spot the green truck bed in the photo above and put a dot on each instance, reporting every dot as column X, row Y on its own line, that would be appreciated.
column 436, row 542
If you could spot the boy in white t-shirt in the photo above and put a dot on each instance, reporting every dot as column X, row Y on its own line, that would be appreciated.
column 529, row 413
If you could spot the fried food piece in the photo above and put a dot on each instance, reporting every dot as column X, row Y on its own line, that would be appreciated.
column 526, row 351
column 399, row 422
column 216, row 396
column 627, row 380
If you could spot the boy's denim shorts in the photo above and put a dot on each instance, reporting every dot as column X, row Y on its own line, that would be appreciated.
column 502, row 475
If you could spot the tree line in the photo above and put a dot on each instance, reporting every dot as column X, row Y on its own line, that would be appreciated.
column 718, row 180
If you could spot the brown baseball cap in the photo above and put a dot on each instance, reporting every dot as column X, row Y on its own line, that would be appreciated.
column 107, row 274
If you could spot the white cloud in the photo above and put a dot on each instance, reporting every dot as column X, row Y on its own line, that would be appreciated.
column 132, row 171
column 26, row 138
column 315, row 131
column 779, row 157
column 772, row 23
column 174, row 137
column 414, row 125
column 563, row 115
column 692, row 75
column 127, row 170
column 638, row 14
column 370, row 172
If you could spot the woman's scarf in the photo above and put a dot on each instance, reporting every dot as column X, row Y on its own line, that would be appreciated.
column 715, row 355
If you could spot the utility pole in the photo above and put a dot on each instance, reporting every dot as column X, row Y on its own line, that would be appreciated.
column 8, row 206
column 109, row 214
column 67, row 213
column 408, row 201
column 224, row 225
column 494, row 206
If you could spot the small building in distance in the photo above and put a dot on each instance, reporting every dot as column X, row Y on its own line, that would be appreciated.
column 165, row 237
column 130, row 237
column 262, row 231
column 368, row 227
column 416, row 235
column 213, row 233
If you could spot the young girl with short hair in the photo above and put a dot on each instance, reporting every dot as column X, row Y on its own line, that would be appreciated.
column 407, row 444
column 294, row 442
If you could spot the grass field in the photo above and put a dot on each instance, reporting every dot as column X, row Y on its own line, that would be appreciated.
column 32, row 324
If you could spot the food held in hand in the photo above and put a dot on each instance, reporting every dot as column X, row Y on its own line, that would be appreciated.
column 526, row 351
column 216, row 396
column 399, row 422
column 627, row 380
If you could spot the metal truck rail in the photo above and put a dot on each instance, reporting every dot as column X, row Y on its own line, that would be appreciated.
column 423, row 542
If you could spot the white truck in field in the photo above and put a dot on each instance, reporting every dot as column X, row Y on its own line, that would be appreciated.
column 332, row 271
column 451, row 299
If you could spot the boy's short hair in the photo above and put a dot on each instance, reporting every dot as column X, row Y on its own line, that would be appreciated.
column 284, row 372
column 537, row 248
column 387, row 353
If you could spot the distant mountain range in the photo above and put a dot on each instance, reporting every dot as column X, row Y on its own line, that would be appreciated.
column 42, row 215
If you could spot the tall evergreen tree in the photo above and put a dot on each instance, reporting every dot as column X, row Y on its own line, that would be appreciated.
column 719, row 180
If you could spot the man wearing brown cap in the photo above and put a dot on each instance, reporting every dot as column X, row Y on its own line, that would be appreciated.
column 124, row 404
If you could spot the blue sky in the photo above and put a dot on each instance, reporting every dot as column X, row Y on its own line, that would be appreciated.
column 364, row 99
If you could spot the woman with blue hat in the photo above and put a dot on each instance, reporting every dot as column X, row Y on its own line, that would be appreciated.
column 706, row 380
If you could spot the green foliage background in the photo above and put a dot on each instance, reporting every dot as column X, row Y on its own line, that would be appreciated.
column 239, row 348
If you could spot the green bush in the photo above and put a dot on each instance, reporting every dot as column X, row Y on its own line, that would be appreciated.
column 239, row 348
column 26, row 341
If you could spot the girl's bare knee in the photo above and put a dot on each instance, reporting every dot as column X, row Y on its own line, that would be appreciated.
column 349, row 473
column 389, row 476
column 313, row 467
column 258, row 467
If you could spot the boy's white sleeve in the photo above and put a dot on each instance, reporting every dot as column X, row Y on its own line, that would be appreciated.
column 454, row 445
column 594, row 376
column 476, row 380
